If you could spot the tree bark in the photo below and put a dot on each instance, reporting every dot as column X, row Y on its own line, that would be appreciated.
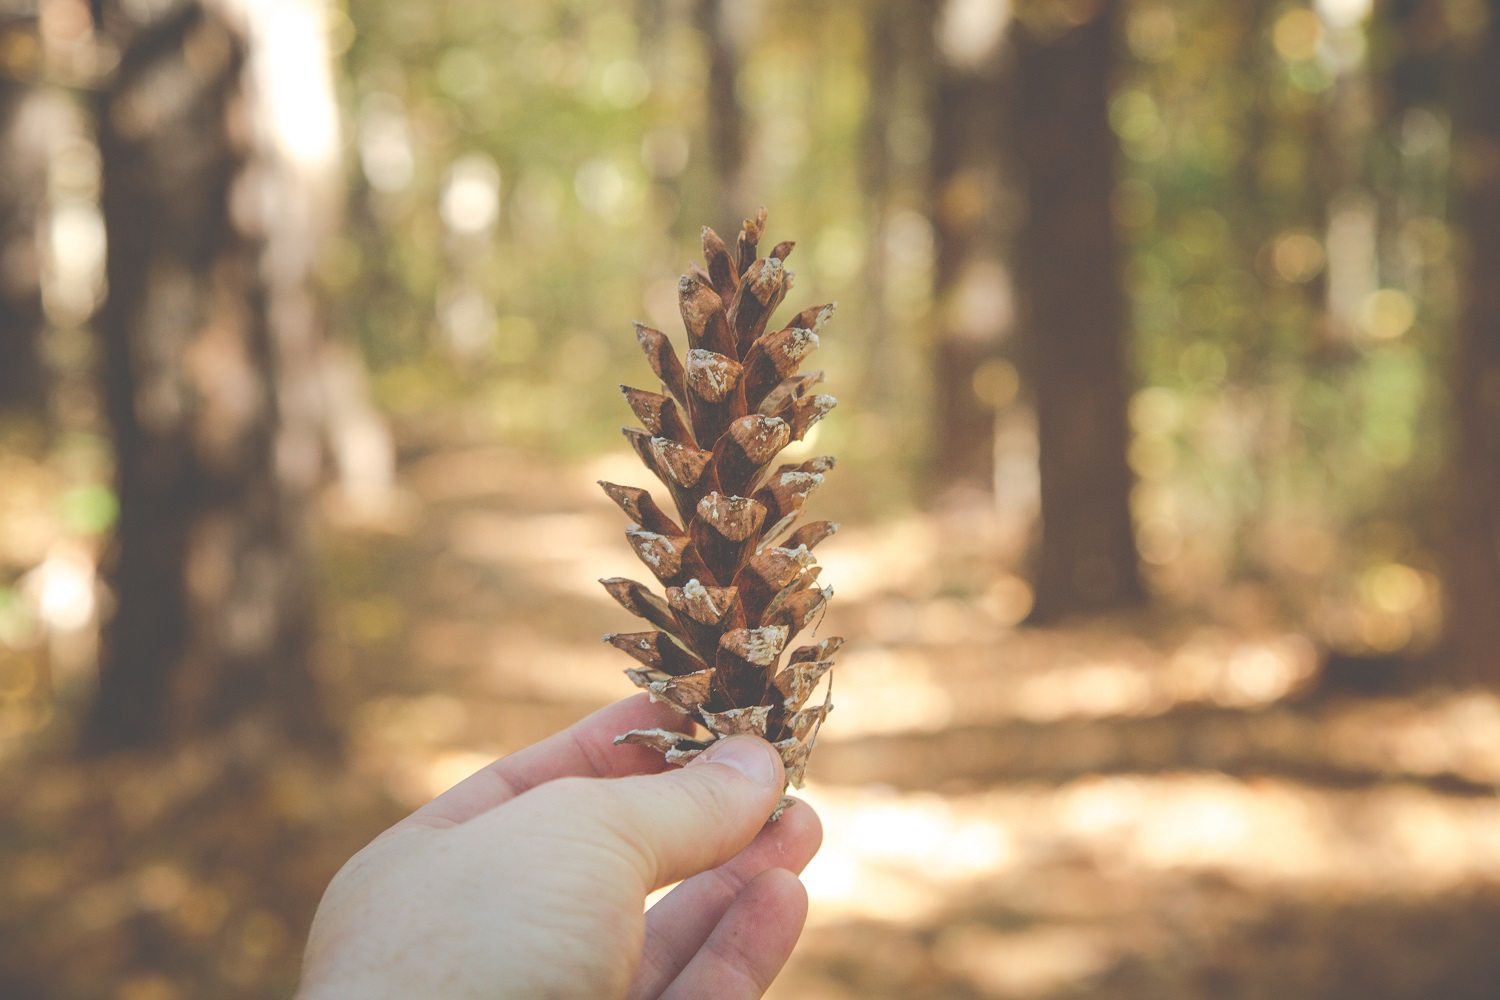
column 727, row 141
column 1073, row 315
column 207, row 341
column 963, row 178
column 23, row 188
column 884, row 20
column 1473, row 571
column 900, row 60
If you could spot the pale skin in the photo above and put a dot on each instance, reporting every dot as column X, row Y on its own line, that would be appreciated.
column 528, row 879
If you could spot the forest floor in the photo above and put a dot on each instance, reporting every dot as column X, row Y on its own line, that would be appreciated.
column 1152, row 806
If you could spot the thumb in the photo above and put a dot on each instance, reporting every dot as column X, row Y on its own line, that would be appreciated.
column 687, row 820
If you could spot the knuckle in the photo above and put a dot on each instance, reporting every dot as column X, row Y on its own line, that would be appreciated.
column 565, row 793
column 710, row 798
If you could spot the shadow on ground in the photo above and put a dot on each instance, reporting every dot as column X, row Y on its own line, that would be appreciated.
column 1128, row 809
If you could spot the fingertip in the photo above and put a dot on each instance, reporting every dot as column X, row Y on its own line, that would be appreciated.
column 751, row 942
column 698, row 817
column 678, row 925
column 771, row 910
column 781, row 892
column 797, row 835
column 749, row 755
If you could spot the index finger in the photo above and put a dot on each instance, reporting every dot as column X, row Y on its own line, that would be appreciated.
column 585, row 749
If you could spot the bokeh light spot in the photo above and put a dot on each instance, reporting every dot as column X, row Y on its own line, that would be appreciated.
column 1297, row 35
column 1151, row 32
column 471, row 196
column 1387, row 314
column 1297, row 256
column 1134, row 115
column 625, row 83
column 996, row 383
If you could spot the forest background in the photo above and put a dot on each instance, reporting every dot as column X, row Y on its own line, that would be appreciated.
column 1167, row 352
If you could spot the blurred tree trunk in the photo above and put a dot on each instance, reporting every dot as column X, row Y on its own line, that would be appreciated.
column 1473, row 570
column 899, row 60
column 968, row 101
column 884, row 22
column 23, row 189
column 722, row 24
column 1417, row 65
column 1073, row 313
column 208, row 348
column 1281, row 184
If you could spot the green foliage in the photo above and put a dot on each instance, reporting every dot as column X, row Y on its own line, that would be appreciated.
column 1283, row 305
column 89, row 510
column 529, row 176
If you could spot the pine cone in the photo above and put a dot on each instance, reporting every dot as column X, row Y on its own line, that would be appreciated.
column 739, row 588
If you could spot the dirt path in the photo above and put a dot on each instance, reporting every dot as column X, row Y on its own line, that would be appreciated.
column 1133, row 809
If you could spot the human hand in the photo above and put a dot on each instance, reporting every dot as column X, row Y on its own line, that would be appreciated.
column 528, row 879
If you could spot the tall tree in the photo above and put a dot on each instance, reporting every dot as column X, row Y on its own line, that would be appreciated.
column 1072, row 307
column 899, row 58
column 1473, row 573
column 1267, row 198
column 883, row 59
column 723, row 25
column 23, row 186
column 209, row 346
column 969, row 92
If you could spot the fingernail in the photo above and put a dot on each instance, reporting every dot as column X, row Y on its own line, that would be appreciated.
column 753, row 758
